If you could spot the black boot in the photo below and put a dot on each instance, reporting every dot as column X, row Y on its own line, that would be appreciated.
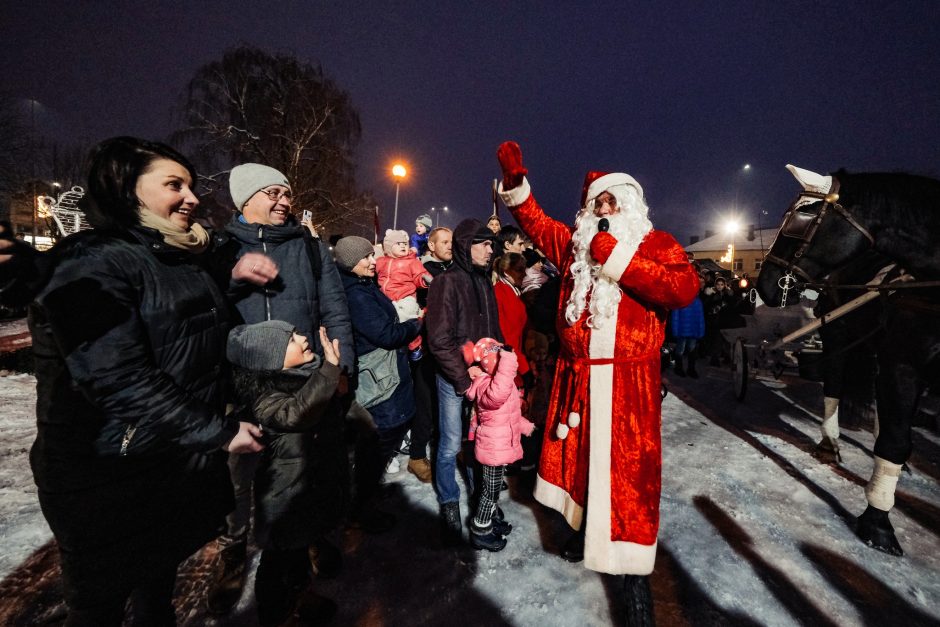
column 325, row 558
column 500, row 525
column 486, row 538
column 691, row 371
column 678, row 369
column 282, row 576
column 451, row 525
column 573, row 551
column 228, row 579
column 639, row 601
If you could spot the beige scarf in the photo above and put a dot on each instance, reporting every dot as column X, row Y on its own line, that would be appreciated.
column 193, row 240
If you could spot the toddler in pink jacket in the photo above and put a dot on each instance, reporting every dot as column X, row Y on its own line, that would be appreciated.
column 497, row 428
column 401, row 275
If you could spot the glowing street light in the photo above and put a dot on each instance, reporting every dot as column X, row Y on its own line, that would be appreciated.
column 399, row 172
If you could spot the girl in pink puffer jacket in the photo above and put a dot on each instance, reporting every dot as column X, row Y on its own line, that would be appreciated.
column 497, row 428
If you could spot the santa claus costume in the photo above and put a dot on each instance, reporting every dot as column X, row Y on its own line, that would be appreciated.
column 601, row 452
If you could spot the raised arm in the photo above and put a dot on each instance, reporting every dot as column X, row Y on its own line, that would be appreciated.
column 549, row 235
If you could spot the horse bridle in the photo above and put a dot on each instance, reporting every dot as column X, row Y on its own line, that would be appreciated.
column 803, row 226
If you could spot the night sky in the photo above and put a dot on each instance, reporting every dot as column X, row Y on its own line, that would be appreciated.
column 680, row 95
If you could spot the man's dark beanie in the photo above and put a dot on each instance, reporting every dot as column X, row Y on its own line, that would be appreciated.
column 260, row 346
column 483, row 234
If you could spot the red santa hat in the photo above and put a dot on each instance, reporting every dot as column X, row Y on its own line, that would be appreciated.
column 596, row 183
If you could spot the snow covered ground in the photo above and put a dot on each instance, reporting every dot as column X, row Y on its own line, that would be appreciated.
column 755, row 531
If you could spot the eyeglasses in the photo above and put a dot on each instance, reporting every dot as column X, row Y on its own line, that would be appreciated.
column 277, row 194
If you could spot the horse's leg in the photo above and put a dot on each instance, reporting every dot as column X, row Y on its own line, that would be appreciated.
column 899, row 388
column 829, row 445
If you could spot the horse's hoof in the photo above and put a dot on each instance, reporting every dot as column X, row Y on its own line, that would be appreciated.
column 826, row 452
column 874, row 529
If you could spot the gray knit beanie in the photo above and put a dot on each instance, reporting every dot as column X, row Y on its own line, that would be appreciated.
column 245, row 180
column 425, row 219
column 350, row 250
column 260, row 346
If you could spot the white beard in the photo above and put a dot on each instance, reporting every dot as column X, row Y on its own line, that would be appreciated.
column 593, row 290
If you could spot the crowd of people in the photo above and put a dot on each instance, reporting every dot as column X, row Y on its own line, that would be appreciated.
column 199, row 385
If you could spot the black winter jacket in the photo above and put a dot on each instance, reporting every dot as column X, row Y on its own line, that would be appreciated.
column 299, row 493
column 129, row 342
column 376, row 325
column 461, row 308
column 295, row 296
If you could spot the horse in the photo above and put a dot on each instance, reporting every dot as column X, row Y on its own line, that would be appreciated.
column 836, row 221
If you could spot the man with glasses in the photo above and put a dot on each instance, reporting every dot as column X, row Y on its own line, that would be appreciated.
column 304, row 289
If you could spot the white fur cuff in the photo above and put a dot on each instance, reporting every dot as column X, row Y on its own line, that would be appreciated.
column 517, row 195
column 619, row 259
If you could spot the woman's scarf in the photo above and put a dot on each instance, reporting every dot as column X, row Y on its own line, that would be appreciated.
column 195, row 239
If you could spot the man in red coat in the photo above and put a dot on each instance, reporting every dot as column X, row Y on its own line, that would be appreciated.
column 601, row 460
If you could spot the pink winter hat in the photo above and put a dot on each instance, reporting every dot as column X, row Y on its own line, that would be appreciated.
column 486, row 353
column 392, row 237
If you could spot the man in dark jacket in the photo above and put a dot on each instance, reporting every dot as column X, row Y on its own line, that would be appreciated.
column 304, row 290
column 439, row 259
column 461, row 308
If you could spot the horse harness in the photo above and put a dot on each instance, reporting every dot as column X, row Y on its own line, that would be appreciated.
column 803, row 226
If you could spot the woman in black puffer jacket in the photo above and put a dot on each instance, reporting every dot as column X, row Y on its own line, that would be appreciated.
column 129, row 340
column 375, row 326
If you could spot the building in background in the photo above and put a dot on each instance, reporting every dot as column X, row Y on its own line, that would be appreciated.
column 741, row 252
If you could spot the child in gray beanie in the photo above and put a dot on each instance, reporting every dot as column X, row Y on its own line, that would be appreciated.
column 280, row 383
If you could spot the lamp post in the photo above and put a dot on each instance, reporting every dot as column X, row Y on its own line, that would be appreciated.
column 399, row 172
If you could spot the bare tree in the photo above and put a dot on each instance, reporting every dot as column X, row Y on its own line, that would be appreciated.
column 276, row 110
column 14, row 138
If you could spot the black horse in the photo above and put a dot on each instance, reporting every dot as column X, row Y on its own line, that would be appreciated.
column 836, row 222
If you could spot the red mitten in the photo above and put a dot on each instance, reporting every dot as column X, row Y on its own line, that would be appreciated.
column 601, row 246
column 510, row 160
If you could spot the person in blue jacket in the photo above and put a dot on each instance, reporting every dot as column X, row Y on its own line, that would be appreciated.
column 688, row 327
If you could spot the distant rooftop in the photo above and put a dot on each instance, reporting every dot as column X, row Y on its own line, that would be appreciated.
column 741, row 242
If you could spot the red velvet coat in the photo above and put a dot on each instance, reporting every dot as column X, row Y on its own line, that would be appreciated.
column 607, row 392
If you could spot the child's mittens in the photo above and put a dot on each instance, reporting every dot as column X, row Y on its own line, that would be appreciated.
column 427, row 278
column 527, row 426
column 474, row 372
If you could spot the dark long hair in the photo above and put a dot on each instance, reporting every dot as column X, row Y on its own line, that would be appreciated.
column 114, row 167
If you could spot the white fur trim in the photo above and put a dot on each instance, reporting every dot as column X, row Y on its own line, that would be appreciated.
column 550, row 495
column 600, row 185
column 561, row 431
column 600, row 552
column 517, row 195
column 811, row 181
column 574, row 419
column 620, row 258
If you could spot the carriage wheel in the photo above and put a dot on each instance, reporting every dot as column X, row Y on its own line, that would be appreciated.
column 739, row 369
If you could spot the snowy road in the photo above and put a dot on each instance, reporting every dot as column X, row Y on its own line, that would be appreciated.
column 755, row 531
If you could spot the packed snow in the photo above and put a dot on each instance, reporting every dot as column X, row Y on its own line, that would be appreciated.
column 754, row 531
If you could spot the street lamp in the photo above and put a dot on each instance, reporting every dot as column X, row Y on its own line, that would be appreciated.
column 399, row 172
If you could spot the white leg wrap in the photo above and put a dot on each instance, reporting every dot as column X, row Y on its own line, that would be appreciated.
column 884, row 480
column 830, row 423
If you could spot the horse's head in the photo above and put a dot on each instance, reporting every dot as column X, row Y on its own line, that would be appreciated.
column 817, row 236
